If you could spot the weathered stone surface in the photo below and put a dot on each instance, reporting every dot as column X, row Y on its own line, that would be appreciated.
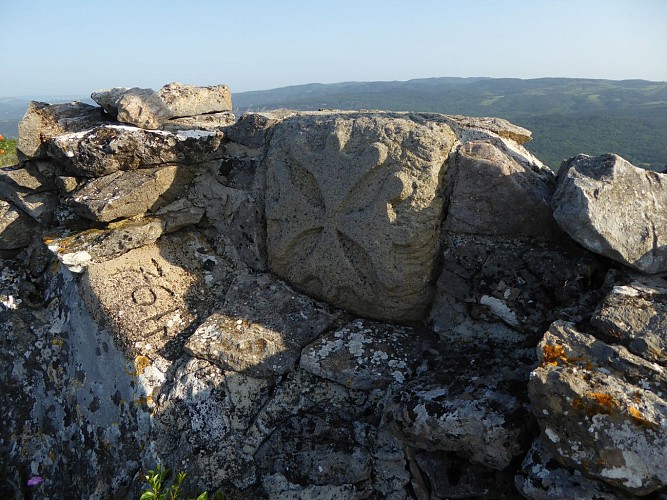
column 365, row 355
column 635, row 315
column 524, row 284
column 472, row 400
column 615, row 209
column 130, row 193
column 79, row 250
column 16, row 227
column 107, row 149
column 315, row 449
column 235, row 212
column 486, row 180
column 190, row 100
column 261, row 329
column 353, row 205
column 602, row 409
column 43, row 121
column 449, row 476
column 277, row 487
column 146, row 296
column 213, row 122
column 251, row 129
column 141, row 107
column 541, row 477
column 498, row 126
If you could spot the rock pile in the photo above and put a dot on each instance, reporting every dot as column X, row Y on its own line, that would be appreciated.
column 333, row 304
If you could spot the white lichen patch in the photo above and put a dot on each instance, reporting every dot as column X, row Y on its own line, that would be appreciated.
column 500, row 309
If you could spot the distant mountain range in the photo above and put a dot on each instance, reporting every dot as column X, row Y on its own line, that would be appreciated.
column 566, row 115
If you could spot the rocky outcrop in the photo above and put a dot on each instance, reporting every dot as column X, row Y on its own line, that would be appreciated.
column 614, row 209
column 314, row 305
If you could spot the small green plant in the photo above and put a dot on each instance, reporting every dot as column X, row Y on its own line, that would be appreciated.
column 7, row 151
column 158, row 490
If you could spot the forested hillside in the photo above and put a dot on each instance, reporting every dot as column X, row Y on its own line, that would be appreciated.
column 567, row 116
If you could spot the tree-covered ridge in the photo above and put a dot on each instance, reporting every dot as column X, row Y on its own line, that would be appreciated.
column 567, row 116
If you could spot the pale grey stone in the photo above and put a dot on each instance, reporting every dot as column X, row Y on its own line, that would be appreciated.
column 615, row 209
column 541, row 477
column 43, row 121
column 493, row 192
column 213, row 122
column 635, row 315
column 110, row 148
column 130, row 193
column 602, row 409
column 134, row 106
column 252, row 129
column 353, row 207
column 190, row 100
column 498, row 126
column 261, row 329
column 365, row 355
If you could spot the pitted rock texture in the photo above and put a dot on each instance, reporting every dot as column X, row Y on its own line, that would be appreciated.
column 365, row 354
column 635, row 315
column 43, row 121
column 261, row 328
column 15, row 227
column 190, row 100
column 106, row 149
column 602, row 410
column 212, row 122
column 615, row 209
column 140, row 107
column 353, row 205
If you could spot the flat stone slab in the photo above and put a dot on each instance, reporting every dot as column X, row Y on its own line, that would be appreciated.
column 261, row 329
column 134, row 106
column 614, row 209
column 190, row 100
column 110, row 148
column 16, row 227
column 365, row 355
column 353, row 208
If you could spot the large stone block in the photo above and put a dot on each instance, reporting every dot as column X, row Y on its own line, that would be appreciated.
column 353, row 208
column 614, row 209
column 190, row 100
column 141, row 107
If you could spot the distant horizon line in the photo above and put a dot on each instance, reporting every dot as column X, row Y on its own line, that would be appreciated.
column 69, row 95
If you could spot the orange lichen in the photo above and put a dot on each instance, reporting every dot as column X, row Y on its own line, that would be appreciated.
column 140, row 364
column 553, row 354
column 639, row 418
column 596, row 403
column 636, row 397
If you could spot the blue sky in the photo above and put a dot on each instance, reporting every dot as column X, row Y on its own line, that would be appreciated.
column 74, row 47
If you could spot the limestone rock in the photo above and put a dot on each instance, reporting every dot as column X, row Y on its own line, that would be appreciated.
column 470, row 400
column 211, row 122
column 251, row 129
column 134, row 106
column 601, row 409
column 498, row 126
column 486, row 181
column 144, row 296
column 127, row 194
column 43, row 121
column 16, row 227
column 353, row 206
column 365, row 355
column 261, row 329
column 524, row 284
column 107, row 149
column 315, row 449
column 79, row 250
column 39, row 204
column 635, row 315
column 190, row 100
column 541, row 477
column 614, row 209
column 277, row 487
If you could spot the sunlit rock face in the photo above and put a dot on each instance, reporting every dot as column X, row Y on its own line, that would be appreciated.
column 353, row 207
